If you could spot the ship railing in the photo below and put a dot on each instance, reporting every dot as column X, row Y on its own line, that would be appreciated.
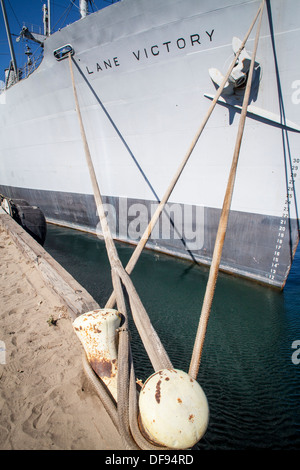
column 34, row 28
column 31, row 66
column 24, row 72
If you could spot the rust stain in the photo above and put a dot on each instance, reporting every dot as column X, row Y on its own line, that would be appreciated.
column 191, row 418
column 102, row 367
column 158, row 393
column 179, row 400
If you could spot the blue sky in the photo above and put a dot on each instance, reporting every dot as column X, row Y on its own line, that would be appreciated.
column 30, row 12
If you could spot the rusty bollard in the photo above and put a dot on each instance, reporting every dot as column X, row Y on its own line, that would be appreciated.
column 173, row 409
column 97, row 333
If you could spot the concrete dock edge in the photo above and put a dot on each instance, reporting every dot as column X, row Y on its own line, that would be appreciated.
column 73, row 295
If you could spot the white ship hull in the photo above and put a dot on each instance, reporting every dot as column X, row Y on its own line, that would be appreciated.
column 142, row 75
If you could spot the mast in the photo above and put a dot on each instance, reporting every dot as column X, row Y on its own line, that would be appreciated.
column 49, row 18
column 83, row 6
column 45, row 20
column 12, row 52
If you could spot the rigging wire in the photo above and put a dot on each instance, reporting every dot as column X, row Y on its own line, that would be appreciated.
column 73, row 3
column 14, row 14
column 65, row 13
column 93, row 3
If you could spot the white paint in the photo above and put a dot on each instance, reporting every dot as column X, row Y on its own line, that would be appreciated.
column 173, row 409
column 97, row 332
column 296, row 93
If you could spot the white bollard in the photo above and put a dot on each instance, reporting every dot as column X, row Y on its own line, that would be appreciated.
column 173, row 409
column 97, row 333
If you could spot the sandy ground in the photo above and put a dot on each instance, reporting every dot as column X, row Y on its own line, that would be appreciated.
column 46, row 401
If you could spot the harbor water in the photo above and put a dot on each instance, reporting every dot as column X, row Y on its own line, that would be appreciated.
column 250, row 367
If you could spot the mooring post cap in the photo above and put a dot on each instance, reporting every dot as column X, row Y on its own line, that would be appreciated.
column 174, row 410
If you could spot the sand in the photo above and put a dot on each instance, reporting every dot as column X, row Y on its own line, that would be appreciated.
column 46, row 401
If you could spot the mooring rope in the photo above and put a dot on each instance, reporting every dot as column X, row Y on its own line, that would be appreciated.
column 146, row 235
column 102, row 391
column 156, row 352
column 125, row 414
column 123, row 378
column 222, row 228
column 151, row 341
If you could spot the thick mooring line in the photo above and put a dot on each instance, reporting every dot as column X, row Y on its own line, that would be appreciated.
column 156, row 352
column 146, row 235
column 221, row 233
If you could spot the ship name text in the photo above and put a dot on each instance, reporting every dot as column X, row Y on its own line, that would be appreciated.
column 143, row 53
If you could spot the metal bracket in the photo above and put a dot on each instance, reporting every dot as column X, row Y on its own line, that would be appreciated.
column 63, row 52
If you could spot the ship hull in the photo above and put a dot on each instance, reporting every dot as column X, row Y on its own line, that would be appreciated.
column 242, row 254
column 142, row 74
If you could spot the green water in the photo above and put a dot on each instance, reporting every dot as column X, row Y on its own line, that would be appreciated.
column 251, row 383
